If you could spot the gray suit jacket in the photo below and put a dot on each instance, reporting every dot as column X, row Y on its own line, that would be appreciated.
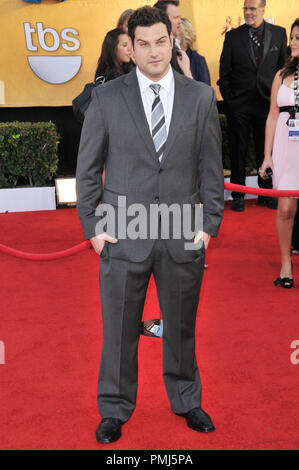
column 116, row 135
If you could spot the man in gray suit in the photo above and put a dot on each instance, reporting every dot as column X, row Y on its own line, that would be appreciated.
column 157, row 133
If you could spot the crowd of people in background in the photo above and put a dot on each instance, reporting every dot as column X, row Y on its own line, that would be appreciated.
column 185, row 60
column 254, row 55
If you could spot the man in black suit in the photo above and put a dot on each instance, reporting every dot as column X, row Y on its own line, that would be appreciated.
column 157, row 133
column 251, row 56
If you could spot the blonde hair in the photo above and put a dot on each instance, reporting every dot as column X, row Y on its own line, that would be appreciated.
column 187, row 33
column 124, row 17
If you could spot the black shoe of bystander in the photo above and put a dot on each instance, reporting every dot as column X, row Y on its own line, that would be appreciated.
column 238, row 204
column 269, row 202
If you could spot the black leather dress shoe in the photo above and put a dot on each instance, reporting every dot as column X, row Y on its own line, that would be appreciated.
column 109, row 430
column 266, row 201
column 238, row 204
column 198, row 420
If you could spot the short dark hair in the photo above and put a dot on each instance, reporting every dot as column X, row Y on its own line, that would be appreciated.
column 147, row 16
column 163, row 4
column 263, row 3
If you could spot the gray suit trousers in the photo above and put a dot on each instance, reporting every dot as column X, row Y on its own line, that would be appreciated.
column 123, row 287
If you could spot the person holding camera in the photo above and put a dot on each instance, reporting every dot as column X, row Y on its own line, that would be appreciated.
column 180, row 61
column 282, row 151
column 198, row 64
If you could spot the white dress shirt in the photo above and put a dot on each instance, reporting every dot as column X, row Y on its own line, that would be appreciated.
column 148, row 96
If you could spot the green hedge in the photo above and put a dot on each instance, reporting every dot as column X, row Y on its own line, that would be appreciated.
column 251, row 160
column 28, row 153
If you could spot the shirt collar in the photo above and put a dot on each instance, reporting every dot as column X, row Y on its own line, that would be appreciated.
column 260, row 29
column 145, row 82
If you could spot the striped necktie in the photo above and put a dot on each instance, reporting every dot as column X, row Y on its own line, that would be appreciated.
column 159, row 131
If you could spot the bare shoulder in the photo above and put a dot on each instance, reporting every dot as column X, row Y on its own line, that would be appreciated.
column 278, row 78
column 274, row 91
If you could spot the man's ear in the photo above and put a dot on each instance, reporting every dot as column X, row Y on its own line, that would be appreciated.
column 133, row 57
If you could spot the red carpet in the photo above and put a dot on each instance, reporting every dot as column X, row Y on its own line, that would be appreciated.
column 51, row 328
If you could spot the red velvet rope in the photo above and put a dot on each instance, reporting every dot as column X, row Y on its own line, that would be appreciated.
column 45, row 256
column 260, row 191
column 84, row 245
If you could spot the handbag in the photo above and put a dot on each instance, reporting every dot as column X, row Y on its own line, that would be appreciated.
column 81, row 102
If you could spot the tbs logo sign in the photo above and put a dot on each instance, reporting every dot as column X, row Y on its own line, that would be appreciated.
column 52, row 68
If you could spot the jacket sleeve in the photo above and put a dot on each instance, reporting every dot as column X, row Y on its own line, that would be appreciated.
column 210, row 171
column 204, row 74
column 283, row 50
column 90, row 164
column 225, row 68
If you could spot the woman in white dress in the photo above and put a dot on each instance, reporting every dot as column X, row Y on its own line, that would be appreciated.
column 282, row 151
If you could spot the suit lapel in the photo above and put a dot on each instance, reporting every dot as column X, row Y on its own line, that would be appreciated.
column 132, row 97
column 179, row 110
column 267, row 41
column 245, row 37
